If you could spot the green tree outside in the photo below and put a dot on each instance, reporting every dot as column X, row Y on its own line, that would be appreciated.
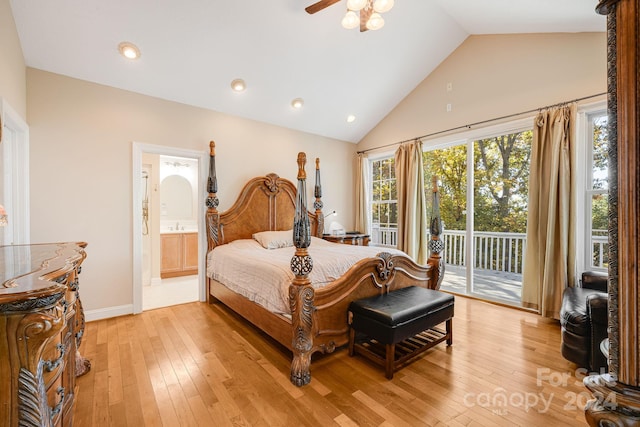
column 501, row 182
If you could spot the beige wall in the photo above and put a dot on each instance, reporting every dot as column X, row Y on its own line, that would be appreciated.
column 496, row 75
column 13, row 87
column 81, row 167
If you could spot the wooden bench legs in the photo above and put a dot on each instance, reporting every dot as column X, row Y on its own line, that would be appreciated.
column 392, row 329
column 396, row 355
column 352, row 340
column 390, row 364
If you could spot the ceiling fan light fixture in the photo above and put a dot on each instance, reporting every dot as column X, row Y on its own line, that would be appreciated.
column 350, row 20
column 129, row 50
column 382, row 6
column 297, row 103
column 356, row 4
column 375, row 22
column 238, row 85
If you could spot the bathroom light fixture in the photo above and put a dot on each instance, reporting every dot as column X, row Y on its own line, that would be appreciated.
column 370, row 13
column 297, row 103
column 238, row 85
column 177, row 164
column 129, row 50
column 351, row 118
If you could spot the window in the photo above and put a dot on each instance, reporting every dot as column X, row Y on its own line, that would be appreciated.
column 597, row 188
column 483, row 209
column 384, row 205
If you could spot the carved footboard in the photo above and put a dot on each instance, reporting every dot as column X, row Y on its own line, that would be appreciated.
column 319, row 317
column 372, row 276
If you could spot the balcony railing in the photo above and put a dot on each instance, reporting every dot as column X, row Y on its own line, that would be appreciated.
column 493, row 251
column 600, row 245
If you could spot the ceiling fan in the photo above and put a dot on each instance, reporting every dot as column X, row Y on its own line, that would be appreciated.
column 369, row 10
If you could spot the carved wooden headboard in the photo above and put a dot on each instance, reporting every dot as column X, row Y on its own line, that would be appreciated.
column 266, row 203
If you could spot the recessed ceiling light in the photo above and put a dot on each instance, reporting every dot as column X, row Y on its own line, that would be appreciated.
column 351, row 118
column 238, row 85
column 297, row 103
column 129, row 50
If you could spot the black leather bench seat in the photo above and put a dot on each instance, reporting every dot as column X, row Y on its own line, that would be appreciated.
column 406, row 317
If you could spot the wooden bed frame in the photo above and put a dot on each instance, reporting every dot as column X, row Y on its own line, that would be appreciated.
column 318, row 316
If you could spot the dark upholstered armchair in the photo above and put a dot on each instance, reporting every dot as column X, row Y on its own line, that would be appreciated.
column 583, row 318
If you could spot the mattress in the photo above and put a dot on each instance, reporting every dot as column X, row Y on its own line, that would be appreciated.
column 264, row 275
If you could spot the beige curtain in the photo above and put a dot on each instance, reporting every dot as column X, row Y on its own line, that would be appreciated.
column 412, row 216
column 362, row 194
column 550, row 253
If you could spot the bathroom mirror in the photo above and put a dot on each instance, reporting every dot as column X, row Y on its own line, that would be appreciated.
column 176, row 199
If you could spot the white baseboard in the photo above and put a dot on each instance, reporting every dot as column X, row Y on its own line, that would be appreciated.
column 105, row 313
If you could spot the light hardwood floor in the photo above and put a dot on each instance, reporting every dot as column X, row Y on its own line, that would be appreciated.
column 201, row 365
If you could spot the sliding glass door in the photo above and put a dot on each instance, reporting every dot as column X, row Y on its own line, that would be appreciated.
column 500, row 194
column 449, row 165
column 484, row 213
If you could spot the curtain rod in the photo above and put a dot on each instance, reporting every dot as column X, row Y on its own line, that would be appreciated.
column 482, row 122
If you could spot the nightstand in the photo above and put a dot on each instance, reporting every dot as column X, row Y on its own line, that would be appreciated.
column 356, row 239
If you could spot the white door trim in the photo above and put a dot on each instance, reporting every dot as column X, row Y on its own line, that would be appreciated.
column 138, row 149
column 16, row 183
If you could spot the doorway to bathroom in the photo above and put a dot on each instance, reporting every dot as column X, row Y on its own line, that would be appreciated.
column 168, row 196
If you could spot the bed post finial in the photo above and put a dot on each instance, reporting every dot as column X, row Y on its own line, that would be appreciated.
column 318, row 205
column 301, row 293
column 213, row 218
column 435, row 244
column 302, row 160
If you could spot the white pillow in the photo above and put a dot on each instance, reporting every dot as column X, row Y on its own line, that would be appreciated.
column 274, row 239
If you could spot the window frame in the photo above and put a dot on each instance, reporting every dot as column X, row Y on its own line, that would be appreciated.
column 370, row 202
column 584, row 184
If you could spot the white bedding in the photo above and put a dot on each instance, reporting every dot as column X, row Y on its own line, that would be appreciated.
column 264, row 275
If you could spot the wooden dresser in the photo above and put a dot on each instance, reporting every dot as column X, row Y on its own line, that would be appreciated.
column 41, row 326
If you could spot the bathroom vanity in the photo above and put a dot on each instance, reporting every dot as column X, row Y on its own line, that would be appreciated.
column 179, row 254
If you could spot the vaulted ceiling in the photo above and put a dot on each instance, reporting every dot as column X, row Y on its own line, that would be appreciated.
column 193, row 49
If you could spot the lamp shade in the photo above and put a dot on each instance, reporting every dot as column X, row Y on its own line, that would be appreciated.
column 375, row 22
column 350, row 20
column 382, row 6
column 356, row 4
